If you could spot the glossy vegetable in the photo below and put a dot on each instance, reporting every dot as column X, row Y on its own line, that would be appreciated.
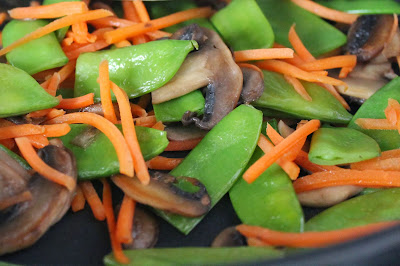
column 363, row 6
column 16, row 157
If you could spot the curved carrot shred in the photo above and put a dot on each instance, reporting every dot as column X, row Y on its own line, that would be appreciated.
column 38, row 141
column 146, row 121
column 159, row 126
column 388, row 161
column 3, row 17
column 263, row 54
column 91, row 47
column 16, row 131
column 54, row 83
column 184, row 145
column 93, row 200
column 138, row 111
column 379, row 124
column 80, row 33
column 163, row 163
column 54, row 131
column 48, row 11
column 141, row 11
column 105, row 92
column 77, row 102
column 298, row 46
column 298, row 87
column 78, row 202
column 123, row 230
column 338, row 61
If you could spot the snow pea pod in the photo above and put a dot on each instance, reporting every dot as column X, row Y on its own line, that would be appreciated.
column 363, row 6
column 318, row 35
column 280, row 95
column 241, row 30
column 332, row 146
column 371, row 208
column 219, row 159
column 374, row 107
column 37, row 55
column 138, row 69
column 16, row 157
column 173, row 110
column 20, row 93
column 273, row 201
column 99, row 158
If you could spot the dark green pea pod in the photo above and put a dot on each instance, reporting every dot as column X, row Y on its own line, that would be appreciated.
column 372, row 208
column 375, row 107
column 280, row 95
column 197, row 256
column 219, row 159
column 99, row 158
column 37, row 55
column 173, row 110
column 363, row 6
column 242, row 31
column 16, row 157
column 21, row 94
column 317, row 35
column 273, row 201
column 138, row 69
column 370, row 190
column 65, row 93
column 332, row 146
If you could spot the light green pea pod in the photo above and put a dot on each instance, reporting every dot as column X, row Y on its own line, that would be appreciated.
column 363, row 6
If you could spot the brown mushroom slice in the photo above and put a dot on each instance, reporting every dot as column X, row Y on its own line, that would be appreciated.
column 163, row 193
column 183, row 133
column 253, row 84
column 329, row 196
column 229, row 237
column 368, row 36
column 211, row 65
column 26, row 222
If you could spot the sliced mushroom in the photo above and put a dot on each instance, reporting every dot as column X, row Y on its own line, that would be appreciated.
column 163, row 193
column 229, row 237
column 253, row 84
column 329, row 196
column 212, row 66
column 97, row 109
column 26, row 222
column 181, row 133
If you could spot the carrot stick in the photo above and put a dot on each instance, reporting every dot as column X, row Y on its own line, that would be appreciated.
column 137, row 110
column 298, row 46
column 54, row 83
column 254, row 171
column 109, row 129
column 311, row 239
column 303, row 161
column 156, row 24
column 331, row 62
column 93, row 200
column 184, row 145
column 91, row 47
column 48, row 11
column 56, row 25
column 262, row 54
column 389, row 161
column 298, row 87
column 78, row 203
column 159, row 126
column 55, row 113
column 380, row 124
column 331, row 89
column 3, row 17
column 30, row 155
column 77, row 103
column 16, row 131
column 146, row 121
column 80, row 33
column 38, row 141
column 163, row 163
column 54, row 131
column 123, row 230
column 319, row 72
column 296, row 60
column 325, row 12
column 122, row 44
column 128, row 128
column 392, row 112
column 109, row 212
column 141, row 11
column 39, row 113
column 345, row 71
column 105, row 92
column 130, row 12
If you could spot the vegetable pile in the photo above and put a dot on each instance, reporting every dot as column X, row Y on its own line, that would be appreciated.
column 278, row 103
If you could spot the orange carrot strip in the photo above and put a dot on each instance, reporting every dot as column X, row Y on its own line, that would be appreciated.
column 78, row 203
column 56, row 25
column 392, row 112
column 331, row 89
column 30, row 155
column 105, row 92
column 325, row 12
column 345, row 71
column 303, row 161
column 391, row 164
column 80, row 33
column 123, row 230
column 16, row 131
column 37, row 114
column 184, row 145
column 122, row 44
column 298, row 87
column 109, row 129
column 163, row 163
column 55, row 113
column 137, row 110
column 311, row 239
column 146, row 121
column 54, row 83
column 319, row 72
column 380, row 124
column 156, row 24
column 263, row 54
column 93, row 200
column 38, row 141
column 109, row 212
column 130, row 12
column 390, row 154
column 141, row 11
column 296, row 60
column 3, row 17
column 54, row 131
column 298, row 46
column 159, row 125
column 76, row 103
column 144, row 100
column 255, row 242
column 128, row 128
column 331, row 62
column 157, row 34
column 92, row 47
column 67, row 70
column 254, row 171
column 48, row 11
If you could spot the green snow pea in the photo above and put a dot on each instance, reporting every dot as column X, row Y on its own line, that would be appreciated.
column 34, row 56
column 241, row 30
column 219, row 159
column 332, row 146
column 374, row 107
column 16, row 157
column 138, row 69
column 372, row 208
column 318, row 35
column 173, row 110
column 363, row 6
column 197, row 256
column 20, row 93
column 99, row 158
column 273, row 201
column 280, row 95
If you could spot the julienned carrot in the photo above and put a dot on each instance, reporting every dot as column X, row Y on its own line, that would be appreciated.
column 54, row 83
column 141, row 11
column 325, row 12
column 91, row 47
column 128, row 128
column 379, row 124
column 363, row 178
column 345, row 71
column 254, row 171
column 331, row 89
column 296, row 60
column 109, row 129
column 303, row 161
column 80, row 33
column 78, row 202
column 163, row 163
column 38, row 141
column 288, row 69
column 58, row 130
column 107, row 203
column 39, row 113
column 138, row 111
column 298, row 46
column 3, row 17
column 311, row 239
column 159, row 125
column 124, row 43
column 30, row 155
column 146, row 121
column 105, row 92
column 389, row 161
column 263, row 54
column 77, row 103
column 123, row 230
column 48, row 11
column 184, row 145
column 16, row 131
column 320, row 72
column 156, row 24
column 93, row 200
column 56, row 25
column 392, row 112
column 299, row 88
column 54, row 113
column 331, row 62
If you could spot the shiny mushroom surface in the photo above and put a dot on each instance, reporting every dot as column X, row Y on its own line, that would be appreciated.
column 229, row 237
column 253, row 84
